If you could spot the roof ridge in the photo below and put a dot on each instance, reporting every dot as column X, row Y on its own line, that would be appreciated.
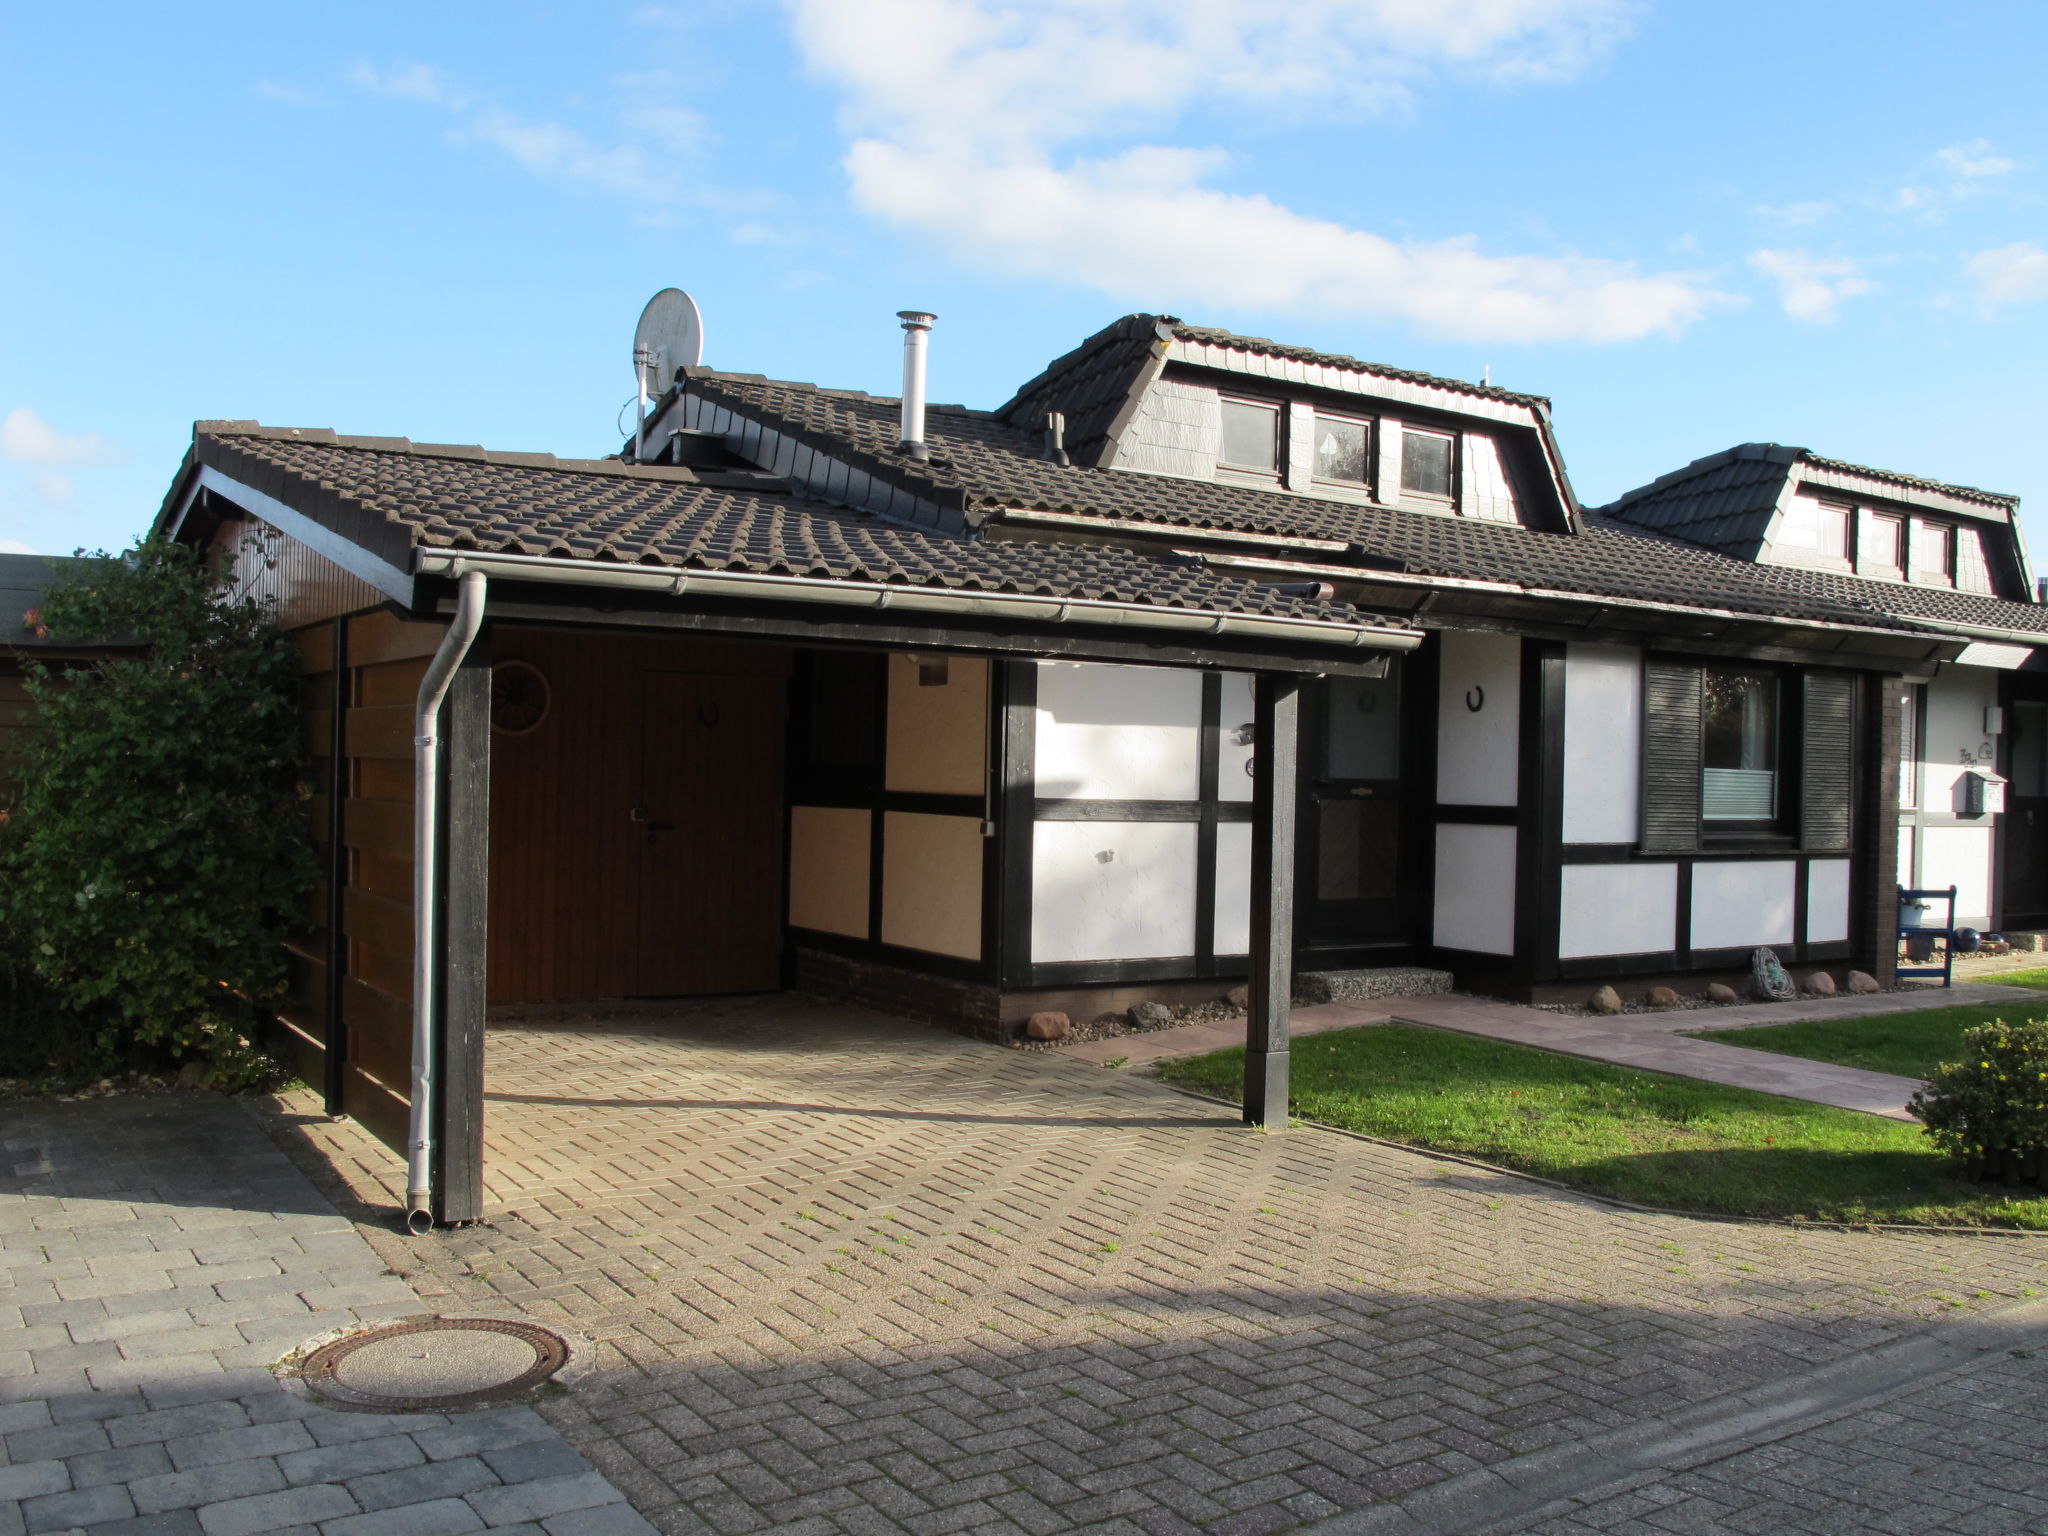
column 1236, row 342
column 327, row 437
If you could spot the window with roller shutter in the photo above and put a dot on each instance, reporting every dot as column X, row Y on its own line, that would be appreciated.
column 1736, row 754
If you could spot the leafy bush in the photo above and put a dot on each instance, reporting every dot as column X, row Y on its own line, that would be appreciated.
column 1990, row 1110
column 155, row 856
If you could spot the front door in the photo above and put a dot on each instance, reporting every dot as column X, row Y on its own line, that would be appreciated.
column 707, row 821
column 2024, row 851
column 1352, row 792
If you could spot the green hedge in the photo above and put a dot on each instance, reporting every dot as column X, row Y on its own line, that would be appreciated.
column 155, row 856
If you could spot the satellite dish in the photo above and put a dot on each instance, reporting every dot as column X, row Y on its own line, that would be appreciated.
column 670, row 336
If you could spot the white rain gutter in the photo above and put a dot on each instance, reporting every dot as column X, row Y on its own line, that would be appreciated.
column 879, row 595
column 469, row 618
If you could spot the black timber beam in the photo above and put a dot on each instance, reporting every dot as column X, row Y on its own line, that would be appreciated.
column 830, row 625
column 1276, row 715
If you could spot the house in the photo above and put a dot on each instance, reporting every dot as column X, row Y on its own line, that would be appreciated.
column 23, row 581
column 1947, row 556
column 1202, row 658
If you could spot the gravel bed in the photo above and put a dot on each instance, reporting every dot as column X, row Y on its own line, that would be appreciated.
column 1108, row 1026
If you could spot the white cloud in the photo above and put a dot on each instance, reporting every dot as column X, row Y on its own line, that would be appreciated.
column 2009, row 274
column 1974, row 160
column 647, row 160
column 283, row 91
column 55, row 489
column 409, row 80
column 981, row 123
column 25, row 438
column 1796, row 214
column 1811, row 286
column 16, row 547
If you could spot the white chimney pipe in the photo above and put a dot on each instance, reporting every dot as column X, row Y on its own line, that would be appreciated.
column 917, row 326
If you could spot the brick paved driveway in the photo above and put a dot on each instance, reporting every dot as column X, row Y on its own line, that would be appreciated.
column 857, row 1275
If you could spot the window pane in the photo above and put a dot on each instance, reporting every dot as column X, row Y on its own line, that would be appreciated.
column 1251, row 435
column 1340, row 449
column 1739, row 746
column 1881, row 542
column 1426, row 463
column 1363, row 739
column 1357, row 849
column 1832, row 531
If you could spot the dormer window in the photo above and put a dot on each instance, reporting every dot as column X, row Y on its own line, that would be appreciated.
column 1934, row 552
column 1341, row 450
column 1427, row 460
column 1251, row 436
column 1884, row 545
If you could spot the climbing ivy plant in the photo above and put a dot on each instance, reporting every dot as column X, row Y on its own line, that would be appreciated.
column 155, row 853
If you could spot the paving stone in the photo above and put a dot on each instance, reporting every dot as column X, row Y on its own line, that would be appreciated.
column 439, row 1517
column 422, row 1484
column 267, row 1512
column 223, row 1480
column 28, row 1479
column 81, row 1506
column 539, row 1499
column 355, row 1458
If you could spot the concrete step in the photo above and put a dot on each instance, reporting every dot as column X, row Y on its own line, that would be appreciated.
column 1364, row 985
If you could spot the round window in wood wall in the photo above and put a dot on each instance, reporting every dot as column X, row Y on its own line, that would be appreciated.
column 520, row 697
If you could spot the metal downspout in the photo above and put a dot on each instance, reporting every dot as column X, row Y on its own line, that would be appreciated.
column 462, row 632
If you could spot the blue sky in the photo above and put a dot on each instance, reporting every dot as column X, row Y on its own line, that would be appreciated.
column 1690, row 225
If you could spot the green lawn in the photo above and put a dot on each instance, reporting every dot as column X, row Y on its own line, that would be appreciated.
column 1640, row 1136
column 1909, row 1044
column 2018, row 979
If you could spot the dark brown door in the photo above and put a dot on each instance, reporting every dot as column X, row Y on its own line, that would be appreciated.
column 708, row 814
column 1352, row 806
column 2025, row 849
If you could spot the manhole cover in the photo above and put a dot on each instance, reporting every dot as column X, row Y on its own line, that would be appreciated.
column 444, row 1362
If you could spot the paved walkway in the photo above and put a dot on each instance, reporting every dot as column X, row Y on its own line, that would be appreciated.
column 852, row 1275
column 1649, row 1041
column 156, row 1256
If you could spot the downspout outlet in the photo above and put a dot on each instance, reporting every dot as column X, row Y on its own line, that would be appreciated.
column 917, row 326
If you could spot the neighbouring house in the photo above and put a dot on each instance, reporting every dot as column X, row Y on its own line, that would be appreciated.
column 1973, row 760
column 23, row 581
column 1203, row 659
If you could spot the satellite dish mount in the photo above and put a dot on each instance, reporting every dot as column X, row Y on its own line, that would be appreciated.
column 668, row 339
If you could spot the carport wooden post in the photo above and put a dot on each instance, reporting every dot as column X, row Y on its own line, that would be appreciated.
column 465, row 844
column 1276, row 728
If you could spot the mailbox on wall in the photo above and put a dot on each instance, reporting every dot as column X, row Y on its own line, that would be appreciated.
column 1981, row 793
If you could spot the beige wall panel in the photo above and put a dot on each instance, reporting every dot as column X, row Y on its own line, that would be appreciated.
column 828, row 869
column 931, row 883
column 938, row 736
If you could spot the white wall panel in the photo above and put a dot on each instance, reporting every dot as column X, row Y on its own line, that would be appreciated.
column 1112, row 890
column 1233, row 775
column 1827, row 901
column 1234, row 888
column 1118, row 733
column 1740, row 905
column 1956, row 701
column 1603, row 743
column 1475, row 888
column 1961, row 857
column 1478, row 757
column 829, row 849
column 1909, row 874
column 938, row 736
column 931, row 883
column 1617, row 909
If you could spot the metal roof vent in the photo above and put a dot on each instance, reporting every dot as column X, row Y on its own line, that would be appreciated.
column 917, row 326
